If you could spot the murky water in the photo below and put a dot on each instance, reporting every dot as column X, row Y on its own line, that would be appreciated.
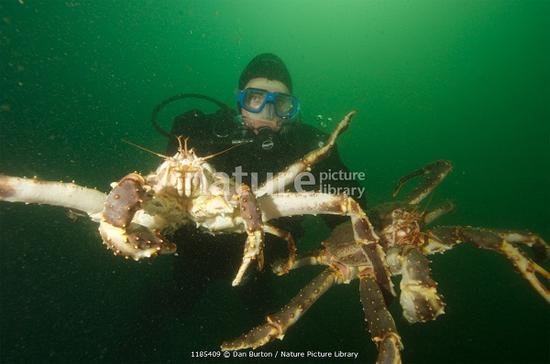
column 463, row 81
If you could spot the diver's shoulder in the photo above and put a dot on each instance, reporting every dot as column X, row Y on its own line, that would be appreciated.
column 307, row 129
column 309, row 134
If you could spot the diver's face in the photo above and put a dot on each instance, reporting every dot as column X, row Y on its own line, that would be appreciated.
column 267, row 117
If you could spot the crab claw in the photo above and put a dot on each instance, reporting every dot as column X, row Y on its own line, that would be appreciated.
column 118, row 233
column 253, row 250
column 419, row 297
column 254, row 246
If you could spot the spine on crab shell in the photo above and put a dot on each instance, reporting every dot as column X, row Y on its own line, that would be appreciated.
column 35, row 191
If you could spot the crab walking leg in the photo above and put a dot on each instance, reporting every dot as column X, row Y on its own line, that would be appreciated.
column 307, row 203
column 290, row 243
column 254, row 246
column 116, row 228
column 282, row 179
column 535, row 242
column 433, row 174
column 68, row 195
column 436, row 213
column 314, row 258
column 379, row 321
column 419, row 297
column 278, row 323
column 442, row 238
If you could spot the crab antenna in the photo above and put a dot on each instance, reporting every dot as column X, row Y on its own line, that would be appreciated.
column 223, row 151
column 145, row 149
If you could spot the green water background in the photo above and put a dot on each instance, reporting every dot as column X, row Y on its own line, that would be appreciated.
column 467, row 81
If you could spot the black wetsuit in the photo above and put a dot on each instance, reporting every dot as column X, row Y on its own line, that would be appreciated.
column 204, row 257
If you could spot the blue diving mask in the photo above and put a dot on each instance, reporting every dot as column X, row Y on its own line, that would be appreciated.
column 254, row 100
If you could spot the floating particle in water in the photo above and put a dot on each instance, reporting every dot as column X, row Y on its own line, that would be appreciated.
column 320, row 119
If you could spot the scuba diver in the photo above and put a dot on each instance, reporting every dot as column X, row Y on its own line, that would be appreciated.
column 266, row 124
column 267, row 128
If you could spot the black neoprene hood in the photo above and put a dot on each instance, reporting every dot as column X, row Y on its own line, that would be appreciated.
column 266, row 65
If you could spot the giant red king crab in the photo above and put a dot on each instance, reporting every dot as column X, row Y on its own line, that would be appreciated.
column 406, row 242
column 186, row 189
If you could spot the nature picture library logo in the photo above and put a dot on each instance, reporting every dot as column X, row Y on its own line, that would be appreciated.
column 335, row 182
column 342, row 183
